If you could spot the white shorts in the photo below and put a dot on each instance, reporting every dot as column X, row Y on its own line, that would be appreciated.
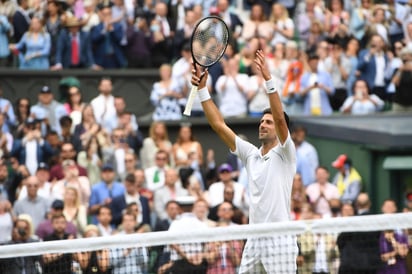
column 271, row 255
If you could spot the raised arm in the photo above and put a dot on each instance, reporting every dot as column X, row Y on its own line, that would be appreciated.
column 214, row 117
column 281, row 126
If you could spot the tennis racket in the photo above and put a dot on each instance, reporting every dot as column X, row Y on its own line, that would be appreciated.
column 208, row 44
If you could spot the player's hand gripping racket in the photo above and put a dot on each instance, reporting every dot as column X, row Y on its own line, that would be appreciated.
column 208, row 44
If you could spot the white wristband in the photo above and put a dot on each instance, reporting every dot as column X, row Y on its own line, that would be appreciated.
column 270, row 86
column 204, row 94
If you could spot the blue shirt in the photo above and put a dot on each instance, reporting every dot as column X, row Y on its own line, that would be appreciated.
column 101, row 192
column 9, row 117
column 4, row 40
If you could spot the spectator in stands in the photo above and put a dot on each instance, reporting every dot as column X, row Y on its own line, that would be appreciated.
column 335, row 207
column 338, row 65
column 216, row 190
column 46, row 228
column 89, row 18
column 360, row 17
column 104, row 219
column 74, row 211
column 278, row 65
column 359, row 251
column 164, row 98
column 306, row 154
column 87, row 129
column 106, row 38
column 43, row 175
column 131, row 259
column 4, row 41
column 32, row 149
column 291, row 99
column 362, row 101
column 21, row 233
column 74, row 49
column 34, row 47
column 257, row 25
column 283, row 25
column 48, row 111
column 395, row 62
column 139, row 44
column 402, row 79
column 130, row 164
column 187, row 147
column 117, row 150
column 6, row 220
column 316, row 87
column 21, row 20
column 171, row 190
column 232, row 92
column 123, row 14
column 246, row 55
column 103, row 105
column 379, row 23
column 393, row 244
column 299, row 197
column 158, row 139
column 5, row 183
column 74, row 105
column 201, row 211
column 58, row 262
column 104, row 192
column 162, row 34
column 119, row 203
column 93, row 261
column 347, row 179
column 91, row 158
column 140, row 227
column 232, row 20
column 141, row 186
column 224, row 256
column 172, row 210
column 335, row 15
column 311, row 13
column 184, row 31
column 54, row 20
column 155, row 175
column 351, row 52
column 321, row 192
column 67, row 152
column 118, row 121
column 372, row 65
column 347, row 209
column 186, row 258
column 22, row 113
column 316, row 35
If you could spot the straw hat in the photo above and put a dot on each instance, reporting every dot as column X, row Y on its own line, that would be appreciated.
column 72, row 22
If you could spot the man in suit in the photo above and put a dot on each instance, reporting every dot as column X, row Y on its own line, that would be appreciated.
column 359, row 251
column 106, row 38
column 131, row 194
column 21, row 20
column 73, row 47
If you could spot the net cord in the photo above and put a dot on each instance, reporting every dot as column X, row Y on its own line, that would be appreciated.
column 333, row 225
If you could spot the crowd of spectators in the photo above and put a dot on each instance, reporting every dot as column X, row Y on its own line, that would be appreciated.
column 318, row 51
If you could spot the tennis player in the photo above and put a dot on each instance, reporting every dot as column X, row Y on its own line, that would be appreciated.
column 270, row 171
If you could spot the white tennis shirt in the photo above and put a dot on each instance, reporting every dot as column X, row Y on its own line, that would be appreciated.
column 270, row 180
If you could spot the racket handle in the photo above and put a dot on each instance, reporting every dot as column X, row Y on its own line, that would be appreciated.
column 190, row 99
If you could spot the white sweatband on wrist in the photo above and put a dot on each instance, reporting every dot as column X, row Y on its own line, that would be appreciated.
column 204, row 94
column 270, row 86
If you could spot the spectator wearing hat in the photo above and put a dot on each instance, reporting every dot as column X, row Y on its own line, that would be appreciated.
column 216, row 190
column 45, row 227
column 316, row 87
column 48, row 110
column 31, row 149
column 44, row 190
column 106, row 38
column 73, row 47
column 104, row 191
column 34, row 205
column 347, row 179
column 34, row 47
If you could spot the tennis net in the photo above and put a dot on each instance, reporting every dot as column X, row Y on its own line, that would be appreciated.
column 348, row 245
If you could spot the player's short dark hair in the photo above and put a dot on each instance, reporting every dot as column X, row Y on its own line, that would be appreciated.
column 269, row 111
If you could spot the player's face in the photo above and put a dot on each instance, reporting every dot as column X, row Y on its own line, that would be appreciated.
column 267, row 128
